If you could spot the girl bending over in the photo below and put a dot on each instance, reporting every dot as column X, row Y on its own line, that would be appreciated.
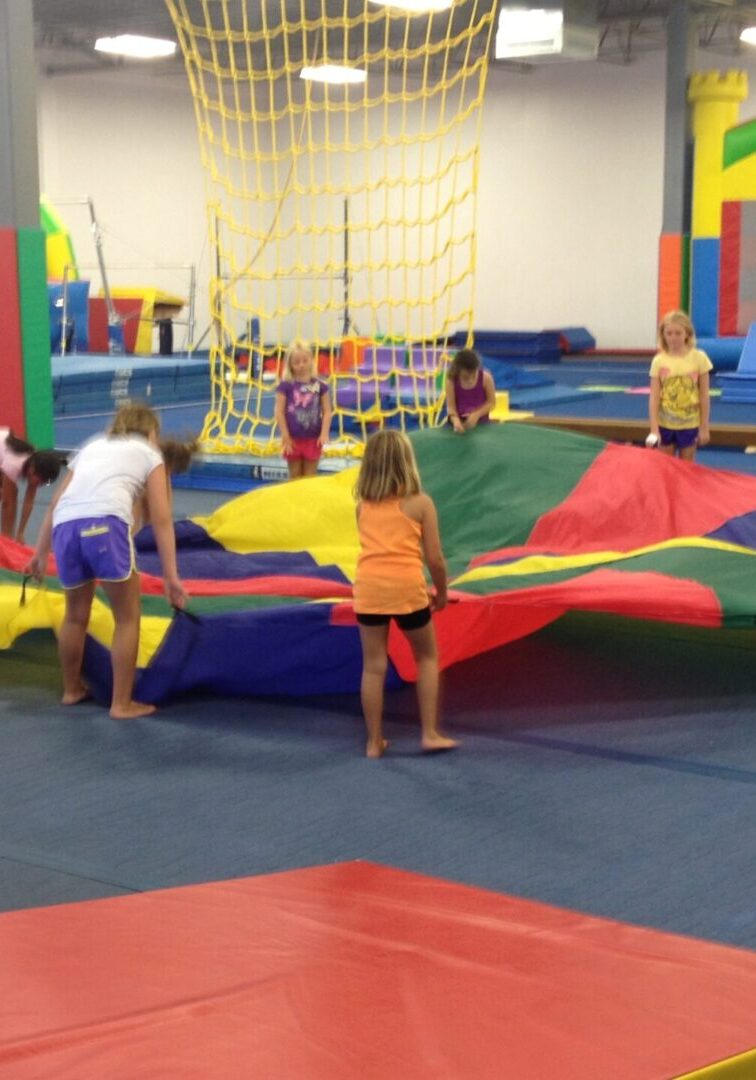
column 89, row 525
column 470, row 392
column 20, row 461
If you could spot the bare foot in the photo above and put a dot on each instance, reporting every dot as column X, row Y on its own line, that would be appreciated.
column 132, row 711
column 376, row 750
column 433, row 743
column 74, row 697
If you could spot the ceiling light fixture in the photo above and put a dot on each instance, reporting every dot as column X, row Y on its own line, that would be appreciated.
column 528, row 31
column 136, row 47
column 416, row 6
column 748, row 35
column 333, row 73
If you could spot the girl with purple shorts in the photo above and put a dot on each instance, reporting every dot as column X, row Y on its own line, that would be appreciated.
column 678, row 405
column 89, row 525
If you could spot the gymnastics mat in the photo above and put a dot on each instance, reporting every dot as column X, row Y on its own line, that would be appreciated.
column 359, row 970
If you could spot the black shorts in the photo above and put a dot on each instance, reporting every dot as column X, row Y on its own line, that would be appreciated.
column 413, row 620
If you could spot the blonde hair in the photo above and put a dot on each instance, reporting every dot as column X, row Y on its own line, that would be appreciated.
column 682, row 320
column 293, row 350
column 135, row 420
column 389, row 469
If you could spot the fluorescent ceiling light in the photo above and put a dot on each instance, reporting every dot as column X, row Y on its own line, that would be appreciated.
column 749, row 35
column 528, row 32
column 333, row 73
column 135, row 46
column 416, row 5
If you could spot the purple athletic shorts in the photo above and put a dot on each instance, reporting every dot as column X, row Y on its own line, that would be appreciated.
column 679, row 437
column 93, row 549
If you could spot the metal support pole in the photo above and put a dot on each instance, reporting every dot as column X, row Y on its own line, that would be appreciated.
column 677, row 136
column 114, row 319
column 191, row 314
column 64, row 311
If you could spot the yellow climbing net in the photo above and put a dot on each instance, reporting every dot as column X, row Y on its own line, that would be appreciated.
column 340, row 214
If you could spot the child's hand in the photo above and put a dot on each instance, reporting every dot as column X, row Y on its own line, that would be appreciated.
column 287, row 444
column 437, row 601
column 35, row 567
column 471, row 421
column 704, row 436
column 458, row 426
column 175, row 593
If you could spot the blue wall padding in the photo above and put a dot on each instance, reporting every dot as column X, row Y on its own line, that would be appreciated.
column 98, row 383
column 542, row 345
column 507, row 376
column 747, row 362
column 704, row 301
column 576, row 339
column 738, row 389
column 724, row 352
column 77, row 310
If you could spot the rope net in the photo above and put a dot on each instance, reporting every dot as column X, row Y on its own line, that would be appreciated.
column 341, row 215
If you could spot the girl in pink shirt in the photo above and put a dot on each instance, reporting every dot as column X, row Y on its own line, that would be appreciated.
column 20, row 461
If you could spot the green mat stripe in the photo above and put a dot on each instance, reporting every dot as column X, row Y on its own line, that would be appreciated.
column 35, row 336
column 476, row 483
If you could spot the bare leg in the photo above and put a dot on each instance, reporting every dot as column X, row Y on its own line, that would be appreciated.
column 309, row 468
column 423, row 642
column 669, row 450
column 688, row 453
column 295, row 468
column 374, row 641
column 125, row 602
column 71, row 638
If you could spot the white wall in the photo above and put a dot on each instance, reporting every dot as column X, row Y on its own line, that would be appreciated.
column 571, row 184
column 570, row 187
column 130, row 143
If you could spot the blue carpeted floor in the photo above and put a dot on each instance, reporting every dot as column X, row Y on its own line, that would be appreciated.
column 607, row 767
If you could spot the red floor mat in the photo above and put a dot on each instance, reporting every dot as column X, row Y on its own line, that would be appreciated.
column 357, row 970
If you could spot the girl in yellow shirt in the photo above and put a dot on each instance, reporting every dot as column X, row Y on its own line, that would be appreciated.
column 679, row 403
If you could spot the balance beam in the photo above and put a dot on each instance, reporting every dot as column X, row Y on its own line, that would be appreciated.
column 635, row 431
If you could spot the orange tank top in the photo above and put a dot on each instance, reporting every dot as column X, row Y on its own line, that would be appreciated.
column 390, row 578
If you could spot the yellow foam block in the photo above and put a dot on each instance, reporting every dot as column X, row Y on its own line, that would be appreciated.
column 502, row 412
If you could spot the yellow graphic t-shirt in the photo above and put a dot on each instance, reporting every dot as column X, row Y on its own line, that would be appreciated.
column 679, row 403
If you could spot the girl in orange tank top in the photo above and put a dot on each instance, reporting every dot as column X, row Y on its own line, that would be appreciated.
column 398, row 528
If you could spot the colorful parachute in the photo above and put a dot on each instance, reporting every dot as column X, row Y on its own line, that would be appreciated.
column 534, row 523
